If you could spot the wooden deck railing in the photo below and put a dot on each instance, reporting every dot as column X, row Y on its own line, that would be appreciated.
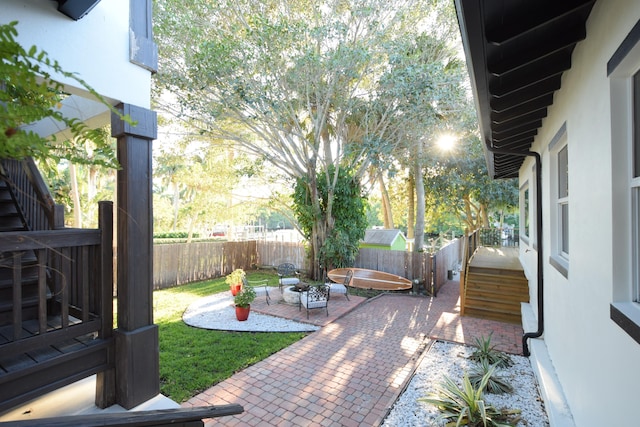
column 68, row 323
column 483, row 237
column 470, row 243
column 501, row 237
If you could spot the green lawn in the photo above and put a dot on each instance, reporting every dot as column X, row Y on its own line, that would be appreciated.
column 192, row 359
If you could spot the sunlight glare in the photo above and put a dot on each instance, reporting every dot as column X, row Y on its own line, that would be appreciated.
column 446, row 142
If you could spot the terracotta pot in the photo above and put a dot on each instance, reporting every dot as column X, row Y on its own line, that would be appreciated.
column 242, row 313
column 235, row 289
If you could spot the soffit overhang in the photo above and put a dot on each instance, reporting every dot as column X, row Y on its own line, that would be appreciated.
column 516, row 52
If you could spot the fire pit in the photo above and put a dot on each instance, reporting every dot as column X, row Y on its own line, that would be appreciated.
column 301, row 286
column 291, row 294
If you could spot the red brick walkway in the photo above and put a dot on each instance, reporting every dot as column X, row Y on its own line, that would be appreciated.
column 350, row 372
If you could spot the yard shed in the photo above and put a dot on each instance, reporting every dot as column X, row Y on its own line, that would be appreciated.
column 389, row 239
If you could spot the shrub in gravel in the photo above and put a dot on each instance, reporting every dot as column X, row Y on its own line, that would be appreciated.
column 497, row 383
column 465, row 406
column 486, row 351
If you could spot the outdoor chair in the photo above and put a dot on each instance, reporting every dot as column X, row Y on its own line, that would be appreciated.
column 287, row 275
column 261, row 287
column 315, row 297
column 341, row 288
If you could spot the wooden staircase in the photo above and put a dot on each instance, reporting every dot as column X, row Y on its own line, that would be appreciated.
column 12, row 219
column 56, row 293
column 495, row 285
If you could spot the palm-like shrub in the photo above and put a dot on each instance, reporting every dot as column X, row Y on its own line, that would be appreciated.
column 486, row 351
column 497, row 382
column 465, row 406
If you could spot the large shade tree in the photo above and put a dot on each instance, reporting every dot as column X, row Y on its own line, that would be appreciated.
column 461, row 182
column 303, row 79
column 342, row 244
column 428, row 78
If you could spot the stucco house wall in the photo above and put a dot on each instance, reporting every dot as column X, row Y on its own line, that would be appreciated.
column 96, row 47
column 595, row 360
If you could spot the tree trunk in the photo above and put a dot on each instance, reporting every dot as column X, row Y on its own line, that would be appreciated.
column 386, row 204
column 420, row 207
column 176, row 203
column 92, row 183
column 319, row 229
column 484, row 215
column 420, row 200
column 191, row 222
column 411, row 205
column 473, row 214
column 75, row 195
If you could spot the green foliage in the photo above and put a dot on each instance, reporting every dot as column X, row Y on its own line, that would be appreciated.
column 461, row 182
column 274, row 220
column 194, row 179
column 235, row 277
column 465, row 406
column 485, row 351
column 245, row 297
column 345, row 208
column 338, row 251
column 174, row 235
column 188, row 365
column 28, row 93
column 305, row 86
column 497, row 383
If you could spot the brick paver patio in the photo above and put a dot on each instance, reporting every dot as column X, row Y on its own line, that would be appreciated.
column 351, row 371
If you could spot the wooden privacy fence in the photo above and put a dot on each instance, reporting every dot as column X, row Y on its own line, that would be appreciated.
column 180, row 263
column 445, row 260
column 274, row 253
column 429, row 269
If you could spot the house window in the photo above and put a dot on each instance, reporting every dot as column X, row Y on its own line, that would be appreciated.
column 634, row 187
column 559, row 194
column 563, row 201
column 525, row 231
column 623, row 70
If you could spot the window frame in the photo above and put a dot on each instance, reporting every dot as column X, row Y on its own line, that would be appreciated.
column 525, row 212
column 621, row 69
column 559, row 258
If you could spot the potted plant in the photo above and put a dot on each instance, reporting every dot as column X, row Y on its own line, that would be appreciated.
column 243, row 301
column 234, row 280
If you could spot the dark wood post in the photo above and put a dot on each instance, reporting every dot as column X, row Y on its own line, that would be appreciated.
column 105, row 380
column 137, row 365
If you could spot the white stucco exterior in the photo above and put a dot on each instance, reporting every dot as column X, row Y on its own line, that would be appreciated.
column 95, row 47
column 595, row 360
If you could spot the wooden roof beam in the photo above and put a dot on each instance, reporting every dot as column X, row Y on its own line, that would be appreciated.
column 520, row 21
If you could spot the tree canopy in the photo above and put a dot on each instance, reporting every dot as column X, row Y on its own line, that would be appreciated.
column 315, row 86
column 460, row 181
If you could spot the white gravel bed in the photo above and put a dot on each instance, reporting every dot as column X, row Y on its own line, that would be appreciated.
column 452, row 360
column 218, row 312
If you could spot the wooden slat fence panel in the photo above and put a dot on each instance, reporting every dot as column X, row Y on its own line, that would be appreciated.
column 394, row 262
column 177, row 264
column 447, row 258
column 412, row 265
column 274, row 253
column 181, row 263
